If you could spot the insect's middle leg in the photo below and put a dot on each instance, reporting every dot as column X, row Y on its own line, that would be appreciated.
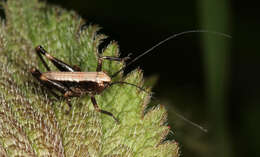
column 110, row 58
column 58, row 63
column 94, row 102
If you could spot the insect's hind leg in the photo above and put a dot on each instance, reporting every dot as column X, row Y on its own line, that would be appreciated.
column 110, row 58
column 94, row 102
column 58, row 63
column 49, row 83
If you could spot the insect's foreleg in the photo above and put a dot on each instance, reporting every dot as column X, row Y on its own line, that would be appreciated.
column 110, row 58
column 94, row 102
column 58, row 63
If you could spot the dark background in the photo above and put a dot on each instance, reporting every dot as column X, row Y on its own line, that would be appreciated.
column 211, row 80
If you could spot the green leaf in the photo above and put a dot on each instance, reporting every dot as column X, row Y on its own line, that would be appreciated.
column 34, row 123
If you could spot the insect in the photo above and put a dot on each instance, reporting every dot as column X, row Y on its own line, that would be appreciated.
column 71, row 82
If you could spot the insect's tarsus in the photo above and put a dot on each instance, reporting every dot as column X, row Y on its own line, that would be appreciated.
column 167, row 39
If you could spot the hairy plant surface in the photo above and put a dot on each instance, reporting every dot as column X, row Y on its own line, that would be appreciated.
column 34, row 123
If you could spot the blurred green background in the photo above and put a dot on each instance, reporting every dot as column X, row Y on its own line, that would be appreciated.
column 209, row 79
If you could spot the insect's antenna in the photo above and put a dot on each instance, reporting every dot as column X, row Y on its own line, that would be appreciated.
column 191, row 122
column 167, row 39
column 121, row 82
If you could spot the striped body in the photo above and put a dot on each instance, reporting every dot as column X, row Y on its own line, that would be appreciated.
column 80, row 82
column 98, row 77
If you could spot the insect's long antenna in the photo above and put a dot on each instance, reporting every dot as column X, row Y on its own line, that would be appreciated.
column 167, row 39
column 121, row 82
column 191, row 122
column 177, row 114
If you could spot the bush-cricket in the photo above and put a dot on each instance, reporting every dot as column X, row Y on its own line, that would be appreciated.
column 71, row 82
